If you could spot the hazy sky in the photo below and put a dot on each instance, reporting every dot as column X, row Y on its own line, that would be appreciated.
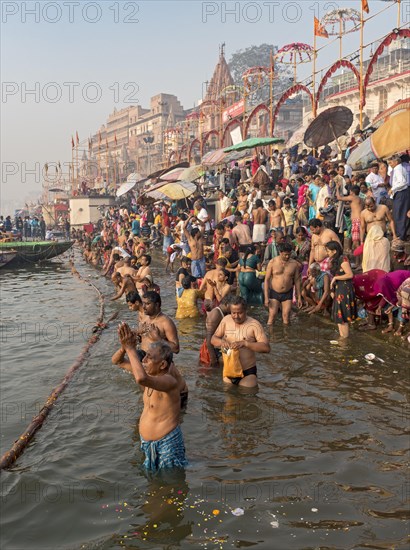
column 81, row 59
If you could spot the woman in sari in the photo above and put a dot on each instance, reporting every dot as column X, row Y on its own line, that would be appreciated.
column 376, row 250
column 250, row 285
column 378, row 291
column 303, row 188
column 301, row 247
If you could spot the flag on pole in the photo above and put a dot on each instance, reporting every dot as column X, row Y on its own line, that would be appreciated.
column 365, row 6
column 46, row 167
column 115, row 138
column 72, row 142
column 319, row 29
column 77, row 138
column 90, row 144
column 56, row 169
column 59, row 165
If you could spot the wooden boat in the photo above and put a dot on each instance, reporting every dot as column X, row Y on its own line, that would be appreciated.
column 32, row 252
column 6, row 257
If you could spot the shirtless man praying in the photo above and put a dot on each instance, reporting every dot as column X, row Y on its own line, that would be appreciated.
column 159, row 425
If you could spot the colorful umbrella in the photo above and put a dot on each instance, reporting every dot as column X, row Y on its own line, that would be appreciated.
column 192, row 173
column 253, row 142
column 162, row 172
column 175, row 191
column 328, row 126
column 392, row 137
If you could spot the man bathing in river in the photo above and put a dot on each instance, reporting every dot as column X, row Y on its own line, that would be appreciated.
column 282, row 274
column 237, row 331
column 159, row 425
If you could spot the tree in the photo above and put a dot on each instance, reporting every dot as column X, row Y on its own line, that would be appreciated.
column 260, row 56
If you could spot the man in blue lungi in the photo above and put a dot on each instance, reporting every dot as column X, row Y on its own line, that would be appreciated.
column 159, row 426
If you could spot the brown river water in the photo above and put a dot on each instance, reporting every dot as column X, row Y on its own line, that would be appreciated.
column 316, row 458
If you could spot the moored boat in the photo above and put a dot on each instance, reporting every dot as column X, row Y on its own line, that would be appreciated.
column 31, row 252
column 6, row 257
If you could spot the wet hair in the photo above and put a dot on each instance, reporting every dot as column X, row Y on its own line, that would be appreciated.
column 153, row 297
column 355, row 190
column 286, row 201
column 285, row 247
column 228, row 225
column 314, row 222
column 223, row 262
column 225, row 240
column 116, row 257
column 250, row 250
column 164, row 351
column 258, row 203
column 185, row 260
column 187, row 281
column 220, row 227
column 271, row 203
column 335, row 261
column 226, row 273
column 147, row 257
column 238, row 301
column 194, row 231
column 133, row 297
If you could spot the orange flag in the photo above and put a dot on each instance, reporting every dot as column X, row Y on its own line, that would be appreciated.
column 77, row 138
column 319, row 29
column 365, row 6
column 72, row 142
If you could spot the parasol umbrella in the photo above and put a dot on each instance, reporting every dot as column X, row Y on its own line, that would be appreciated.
column 175, row 191
column 392, row 137
column 172, row 175
column 328, row 126
column 131, row 182
column 253, row 142
column 164, row 171
column 192, row 173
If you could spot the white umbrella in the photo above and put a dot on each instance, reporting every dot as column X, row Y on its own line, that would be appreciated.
column 131, row 182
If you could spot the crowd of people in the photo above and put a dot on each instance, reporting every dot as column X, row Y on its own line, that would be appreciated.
column 320, row 241
column 31, row 228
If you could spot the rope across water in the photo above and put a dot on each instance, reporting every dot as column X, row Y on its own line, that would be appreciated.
column 19, row 446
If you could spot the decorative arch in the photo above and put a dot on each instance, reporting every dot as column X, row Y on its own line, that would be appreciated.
column 182, row 150
column 260, row 107
column 342, row 63
column 207, row 136
column 291, row 91
column 399, row 33
column 231, row 123
column 191, row 146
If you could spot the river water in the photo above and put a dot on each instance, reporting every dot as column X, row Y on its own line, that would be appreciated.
column 315, row 458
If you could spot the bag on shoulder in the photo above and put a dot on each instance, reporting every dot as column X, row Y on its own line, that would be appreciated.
column 232, row 364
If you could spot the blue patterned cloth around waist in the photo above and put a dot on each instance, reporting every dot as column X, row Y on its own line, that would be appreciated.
column 167, row 452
